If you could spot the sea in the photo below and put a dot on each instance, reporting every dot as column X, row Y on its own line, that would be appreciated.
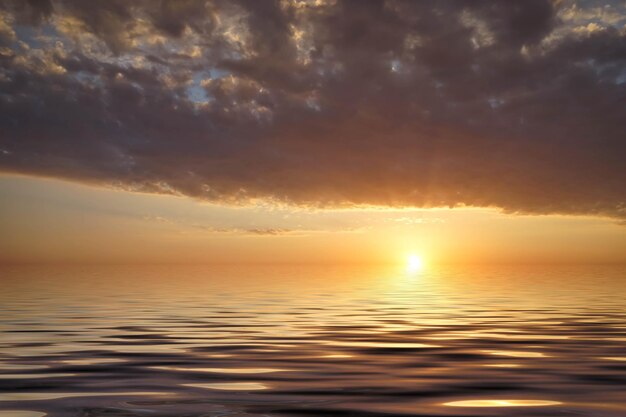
column 312, row 340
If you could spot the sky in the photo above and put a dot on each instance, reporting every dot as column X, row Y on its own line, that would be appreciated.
column 312, row 131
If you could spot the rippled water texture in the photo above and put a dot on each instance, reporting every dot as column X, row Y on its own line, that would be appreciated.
column 312, row 341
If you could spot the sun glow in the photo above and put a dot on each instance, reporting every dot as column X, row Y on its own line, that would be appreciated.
column 414, row 263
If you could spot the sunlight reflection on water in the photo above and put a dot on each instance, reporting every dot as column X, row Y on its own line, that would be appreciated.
column 230, row 386
column 20, row 413
column 501, row 403
column 312, row 341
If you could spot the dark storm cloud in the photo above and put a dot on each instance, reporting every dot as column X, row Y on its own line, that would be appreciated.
column 517, row 105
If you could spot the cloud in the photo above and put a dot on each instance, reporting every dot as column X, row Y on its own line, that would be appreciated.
column 324, row 103
column 239, row 229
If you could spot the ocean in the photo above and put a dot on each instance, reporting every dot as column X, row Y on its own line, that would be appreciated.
column 312, row 340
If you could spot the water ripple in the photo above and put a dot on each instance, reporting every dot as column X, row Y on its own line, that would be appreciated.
column 312, row 341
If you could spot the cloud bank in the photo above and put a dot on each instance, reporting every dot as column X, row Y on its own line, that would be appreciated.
column 516, row 105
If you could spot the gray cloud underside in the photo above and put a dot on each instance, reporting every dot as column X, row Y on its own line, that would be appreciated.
column 517, row 105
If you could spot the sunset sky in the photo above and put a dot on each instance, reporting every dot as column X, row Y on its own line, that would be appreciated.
column 312, row 131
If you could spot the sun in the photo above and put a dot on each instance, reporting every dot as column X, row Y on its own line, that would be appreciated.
column 414, row 263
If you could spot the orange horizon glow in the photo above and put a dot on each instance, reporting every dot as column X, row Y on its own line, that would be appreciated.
column 52, row 221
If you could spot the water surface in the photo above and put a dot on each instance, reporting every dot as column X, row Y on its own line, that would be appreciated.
column 312, row 341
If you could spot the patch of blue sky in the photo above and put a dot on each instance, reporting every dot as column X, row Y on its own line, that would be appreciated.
column 196, row 92
column 86, row 77
column 217, row 73
column 38, row 37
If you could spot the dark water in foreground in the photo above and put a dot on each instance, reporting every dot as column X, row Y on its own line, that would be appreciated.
column 312, row 341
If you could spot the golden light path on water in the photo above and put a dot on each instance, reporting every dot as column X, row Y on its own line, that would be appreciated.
column 230, row 386
column 36, row 396
column 501, row 403
column 312, row 341
column 223, row 370
column 516, row 354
